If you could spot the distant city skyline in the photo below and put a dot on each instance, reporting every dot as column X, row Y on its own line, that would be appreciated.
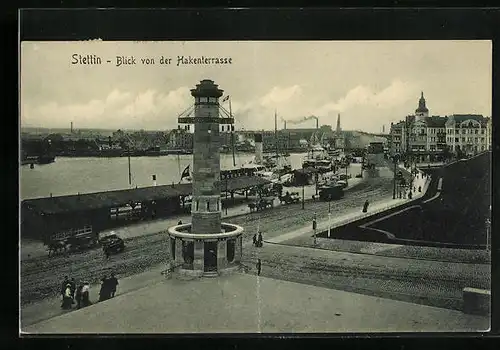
column 370, row 84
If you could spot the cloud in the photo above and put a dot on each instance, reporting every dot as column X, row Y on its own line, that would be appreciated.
column 279, row 96
column 119, row 109
column 397, row 93
column 362, row 107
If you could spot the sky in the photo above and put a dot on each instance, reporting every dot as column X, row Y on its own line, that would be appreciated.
column 370, row 84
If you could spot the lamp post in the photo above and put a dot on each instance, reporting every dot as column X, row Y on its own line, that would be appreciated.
column 395, row 161
column 488, row 232
column 303, row 196
column 329, row 220
column 314, row 227
column 225, row 207
column 316, row 182
column 346, row 168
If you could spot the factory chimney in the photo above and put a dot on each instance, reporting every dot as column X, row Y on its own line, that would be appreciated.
column 71, row 130
column 154, row 180
column 284, row 122
column 258, row 148
column 317, row 123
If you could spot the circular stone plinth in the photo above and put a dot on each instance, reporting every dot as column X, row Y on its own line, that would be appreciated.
column 184, row 231
column 195, row 254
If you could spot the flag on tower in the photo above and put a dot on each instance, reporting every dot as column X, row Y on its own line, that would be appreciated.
column 185, row 173
column 225, row 98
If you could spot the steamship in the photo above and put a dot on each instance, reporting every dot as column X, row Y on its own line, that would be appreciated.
column 319, row 159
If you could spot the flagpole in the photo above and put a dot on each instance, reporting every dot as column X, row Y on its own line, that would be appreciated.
column 179, row 164
column 232, row 131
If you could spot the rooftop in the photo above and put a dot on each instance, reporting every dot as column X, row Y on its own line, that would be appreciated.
column 98, row 200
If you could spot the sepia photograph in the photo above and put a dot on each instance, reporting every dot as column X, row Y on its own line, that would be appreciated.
column 183, row 187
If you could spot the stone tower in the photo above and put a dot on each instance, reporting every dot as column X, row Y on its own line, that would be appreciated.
column 206, row 246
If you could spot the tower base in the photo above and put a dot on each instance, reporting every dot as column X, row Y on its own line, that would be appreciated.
column 205, row 255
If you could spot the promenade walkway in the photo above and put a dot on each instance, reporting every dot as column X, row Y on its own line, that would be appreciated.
column 356, row 214
column 254, row 304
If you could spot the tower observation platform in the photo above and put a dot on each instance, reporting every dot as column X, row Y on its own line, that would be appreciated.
column 206, row 246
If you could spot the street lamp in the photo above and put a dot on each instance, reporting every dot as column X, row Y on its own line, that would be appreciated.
column 225, row 207
column 314, row 227
column 329, row 219
column 395, row 159
column 303, row 195
column 488, row 227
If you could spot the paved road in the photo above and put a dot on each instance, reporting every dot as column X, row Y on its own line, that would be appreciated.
column 431, row 283
column 41, row 276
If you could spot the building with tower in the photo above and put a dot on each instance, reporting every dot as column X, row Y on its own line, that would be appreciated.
column 429, row 138
column 422, row 111
column 206, row 246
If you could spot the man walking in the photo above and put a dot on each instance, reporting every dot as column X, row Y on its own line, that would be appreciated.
column 73, row 288
column 113, row 283
column 259, row 239
column 258, row 266
column 365, row 206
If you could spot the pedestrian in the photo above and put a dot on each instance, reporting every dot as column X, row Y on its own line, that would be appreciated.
column 63, row 285
column 254, row 239
column 419, row 188
column 86, row 294
column 78, row 296
column 113, row 283
column 73, row 288
column 104, row 291
column 180, row 222
column 258, row 266
column 106, row 252
column 259, row 239
column 365, row 206
column 67, row 300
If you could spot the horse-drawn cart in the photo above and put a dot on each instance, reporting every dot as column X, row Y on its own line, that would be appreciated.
column 71, row 240
column 261, row 204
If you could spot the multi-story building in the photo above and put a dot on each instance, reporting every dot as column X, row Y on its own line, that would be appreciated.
column 429, row 138
column 398, row 137
column 468, row 133
column 181, row 139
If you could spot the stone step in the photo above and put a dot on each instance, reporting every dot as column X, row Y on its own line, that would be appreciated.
column 210, row 274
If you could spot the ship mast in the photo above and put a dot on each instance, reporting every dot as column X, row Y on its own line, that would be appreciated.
column 232, row 132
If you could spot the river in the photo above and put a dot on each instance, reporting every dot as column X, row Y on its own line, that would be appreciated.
column 68, row 175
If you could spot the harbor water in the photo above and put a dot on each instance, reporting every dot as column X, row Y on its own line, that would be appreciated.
column 67, row 176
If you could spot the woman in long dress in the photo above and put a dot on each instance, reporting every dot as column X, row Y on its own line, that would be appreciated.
column 86, row 294
column 67, row 299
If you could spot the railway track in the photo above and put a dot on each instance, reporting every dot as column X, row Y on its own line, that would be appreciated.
column 41, row 276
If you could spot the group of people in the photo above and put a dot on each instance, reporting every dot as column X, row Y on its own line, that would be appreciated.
column 257, row 239
column 80, row 295
column 73, row 294
column 108, row 287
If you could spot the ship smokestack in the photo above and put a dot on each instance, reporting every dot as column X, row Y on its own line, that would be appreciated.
column 258, row 148
column 154, row 180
